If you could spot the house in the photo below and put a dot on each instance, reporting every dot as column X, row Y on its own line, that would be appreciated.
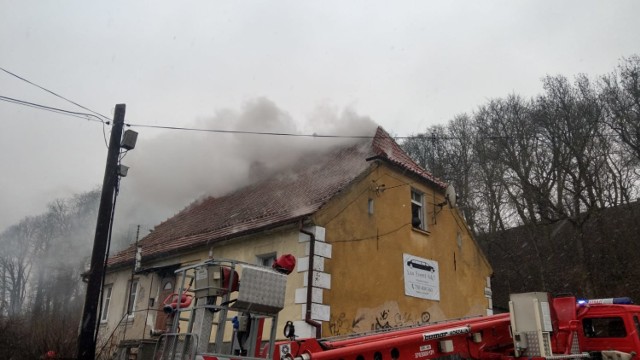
column 387, row 249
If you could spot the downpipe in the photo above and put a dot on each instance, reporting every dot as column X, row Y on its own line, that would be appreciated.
column 307, row 316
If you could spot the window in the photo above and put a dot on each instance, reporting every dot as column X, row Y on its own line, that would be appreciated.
column 266, row 259
column 133, row 295
column 106, row 299
column 417, row 210
column 370, row 206
column 606, row 327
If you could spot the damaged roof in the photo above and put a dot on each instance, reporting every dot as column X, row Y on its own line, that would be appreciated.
column 285, row 197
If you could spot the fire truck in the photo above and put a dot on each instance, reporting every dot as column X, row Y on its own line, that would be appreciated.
column 537, row 326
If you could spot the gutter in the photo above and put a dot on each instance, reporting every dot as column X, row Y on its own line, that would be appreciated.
column 307, row 314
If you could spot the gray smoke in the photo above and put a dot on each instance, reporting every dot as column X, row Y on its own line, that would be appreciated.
column 171, row 169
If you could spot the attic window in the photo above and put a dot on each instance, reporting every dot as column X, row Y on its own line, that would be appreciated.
column 417, row 210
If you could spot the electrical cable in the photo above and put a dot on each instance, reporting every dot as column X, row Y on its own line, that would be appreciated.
column 104, row 136
column 92, row 117
column 122, row 155
column 106, row 342
column 118, row 325
column 146, row 317
column 81, row 115
column 332, row 136
column 53, row 93
column 373, row 236
column 106, row 257
column 314, row 135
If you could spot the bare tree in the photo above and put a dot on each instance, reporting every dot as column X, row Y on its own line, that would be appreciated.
column 41, row 260
column 621, row 95
column 547, row 164
column 16, row 263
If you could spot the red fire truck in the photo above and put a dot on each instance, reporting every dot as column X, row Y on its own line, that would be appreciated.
column 537, row 326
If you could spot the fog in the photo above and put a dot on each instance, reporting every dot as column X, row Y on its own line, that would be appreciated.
column 407, row 65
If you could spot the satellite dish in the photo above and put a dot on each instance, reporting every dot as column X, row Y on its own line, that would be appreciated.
column 451, row 196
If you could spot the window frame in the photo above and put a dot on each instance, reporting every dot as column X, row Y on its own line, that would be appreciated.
column 130, row 305
column 420, row 204
column 269, row 258
column 105, row 303
column 601, row 327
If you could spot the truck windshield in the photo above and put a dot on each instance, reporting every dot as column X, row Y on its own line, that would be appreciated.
column 604, row 327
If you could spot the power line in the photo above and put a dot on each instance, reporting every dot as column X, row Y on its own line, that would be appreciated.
column 249, row 132
column 54, row 94
column 86, row 116
column 93, row 117
column 333, row 136
column 98, row 118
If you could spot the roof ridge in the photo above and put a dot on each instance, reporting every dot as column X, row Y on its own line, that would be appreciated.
column 385, row 147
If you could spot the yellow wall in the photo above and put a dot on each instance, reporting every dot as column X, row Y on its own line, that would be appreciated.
column 367, row 288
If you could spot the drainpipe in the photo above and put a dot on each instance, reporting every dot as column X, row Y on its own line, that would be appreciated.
column 307, row 316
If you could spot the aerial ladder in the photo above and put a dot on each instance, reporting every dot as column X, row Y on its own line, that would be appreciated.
column 234, row 302
column 537, row 327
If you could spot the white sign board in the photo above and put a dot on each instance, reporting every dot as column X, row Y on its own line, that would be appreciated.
column 421, row 277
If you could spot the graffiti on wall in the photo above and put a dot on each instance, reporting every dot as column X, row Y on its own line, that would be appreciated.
column 387, row 316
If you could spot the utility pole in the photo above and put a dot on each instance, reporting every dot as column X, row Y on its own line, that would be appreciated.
column 88, row 330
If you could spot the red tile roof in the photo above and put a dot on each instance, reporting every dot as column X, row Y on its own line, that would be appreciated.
column 386, row 148
column 283, row 198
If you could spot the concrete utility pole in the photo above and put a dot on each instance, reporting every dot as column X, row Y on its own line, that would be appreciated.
column 88, row 331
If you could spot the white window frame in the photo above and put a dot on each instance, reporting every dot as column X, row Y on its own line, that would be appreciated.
column 266, row 259
column 417, row 201
column 106, row 301
column 132, row 292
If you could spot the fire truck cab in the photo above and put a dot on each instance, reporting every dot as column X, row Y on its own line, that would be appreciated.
column 610, row 326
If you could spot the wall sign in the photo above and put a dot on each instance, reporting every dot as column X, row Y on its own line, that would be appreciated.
column 421, row 277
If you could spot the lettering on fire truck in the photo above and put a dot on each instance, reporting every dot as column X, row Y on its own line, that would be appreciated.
column 443, row 334
column 425, row 350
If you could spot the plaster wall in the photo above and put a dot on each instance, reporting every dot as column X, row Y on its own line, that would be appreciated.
column 367, row 267
column 274, row 242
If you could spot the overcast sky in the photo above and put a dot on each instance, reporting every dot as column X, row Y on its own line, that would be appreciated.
column 301, row 66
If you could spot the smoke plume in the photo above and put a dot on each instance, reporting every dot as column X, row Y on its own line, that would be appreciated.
column 175, row 168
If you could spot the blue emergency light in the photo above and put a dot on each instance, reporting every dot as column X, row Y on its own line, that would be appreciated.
column 616, row 301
